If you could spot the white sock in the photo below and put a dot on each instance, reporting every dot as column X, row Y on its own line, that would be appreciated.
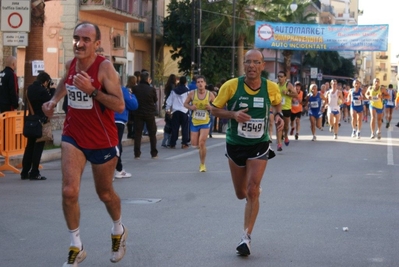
column 75, row 238
column 117, row 229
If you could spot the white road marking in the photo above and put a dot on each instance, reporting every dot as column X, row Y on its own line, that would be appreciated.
column 389, row 149
column 195, row 151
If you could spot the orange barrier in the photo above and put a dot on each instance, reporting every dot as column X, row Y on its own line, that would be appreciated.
column 12, row 141
column 1, row 139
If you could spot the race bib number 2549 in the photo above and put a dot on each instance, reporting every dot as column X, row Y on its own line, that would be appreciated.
column 251, row 129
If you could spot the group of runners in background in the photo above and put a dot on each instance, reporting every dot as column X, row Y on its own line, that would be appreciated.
column 334, row 103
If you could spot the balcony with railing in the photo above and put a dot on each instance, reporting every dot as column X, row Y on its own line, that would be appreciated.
column 118, row 10
column 144, row 28
column 381, row 57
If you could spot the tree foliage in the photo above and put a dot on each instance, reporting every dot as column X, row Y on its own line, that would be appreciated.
column 330, row 62
column 177, row 33
column 217, row 31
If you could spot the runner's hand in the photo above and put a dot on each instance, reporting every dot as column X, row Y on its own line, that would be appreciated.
column 241, row 115
column 279, row 123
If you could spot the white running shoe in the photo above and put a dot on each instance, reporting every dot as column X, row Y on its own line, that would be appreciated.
column 122, row 174
column 335, row 136
column 314, row 138
column 118, row 246
column 244, row 247
column 75, row 256
column 378, row 135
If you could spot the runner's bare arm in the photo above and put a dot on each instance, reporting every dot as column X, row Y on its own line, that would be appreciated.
column 60, row 92
column 188, row 100
column 109, row 78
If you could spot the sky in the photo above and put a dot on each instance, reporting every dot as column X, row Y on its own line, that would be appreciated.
column 382, row 12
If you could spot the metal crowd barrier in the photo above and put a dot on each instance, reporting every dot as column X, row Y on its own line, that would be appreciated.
column 12, row 141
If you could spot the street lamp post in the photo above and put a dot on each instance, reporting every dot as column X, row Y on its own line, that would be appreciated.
column 233, row 40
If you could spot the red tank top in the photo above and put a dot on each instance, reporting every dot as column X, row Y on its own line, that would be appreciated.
column 89, row 122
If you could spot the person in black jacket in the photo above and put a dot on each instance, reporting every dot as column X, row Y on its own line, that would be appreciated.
column 147, row 99
column 37, row 94
column 9, row 86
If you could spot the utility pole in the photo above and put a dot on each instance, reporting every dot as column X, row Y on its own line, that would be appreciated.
column 192, row 37
column 153, row 38
column 233, row 40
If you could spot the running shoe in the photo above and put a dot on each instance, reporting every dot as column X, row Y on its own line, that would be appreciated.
column 75, row 256
column 358, row 135
column 244, row 247
column 292, row 131
column 387, row 126
column 378, row 135
column 122, row 174
column 331, row 128
column 354, row 133
column 118, row 246
column 296, row 136
column 202, row 168
column 279, row 147
column 314, row 138
column 286, row 141
column 372, row 136
column 335, row 136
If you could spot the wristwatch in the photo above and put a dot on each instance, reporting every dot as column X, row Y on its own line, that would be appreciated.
column 94, row 93
column 280, row 114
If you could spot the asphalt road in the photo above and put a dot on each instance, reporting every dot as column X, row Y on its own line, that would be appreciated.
column 324, row 203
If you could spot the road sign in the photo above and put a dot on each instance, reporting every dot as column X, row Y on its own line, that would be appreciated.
column 15, row 38
column 319, row 76
column 313, row 73
column 15, row 15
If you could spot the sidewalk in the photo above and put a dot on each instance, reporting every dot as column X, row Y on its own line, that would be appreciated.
column 55, row 154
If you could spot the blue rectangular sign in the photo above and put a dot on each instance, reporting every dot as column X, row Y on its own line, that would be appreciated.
column 321, row 37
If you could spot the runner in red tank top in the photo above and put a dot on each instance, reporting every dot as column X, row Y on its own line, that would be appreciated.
column 90, row 134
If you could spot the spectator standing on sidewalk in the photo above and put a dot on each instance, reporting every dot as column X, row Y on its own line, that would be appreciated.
column 9, row 86
column 145, row 114
column 131, row 81
column 120, row 122
column 89, row 134
column 36, row 94
column 167, row 132
column 175, row 106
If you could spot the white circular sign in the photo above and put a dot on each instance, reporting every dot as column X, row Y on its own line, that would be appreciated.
column 265, row 32
column 15, row 15
column 15, row 20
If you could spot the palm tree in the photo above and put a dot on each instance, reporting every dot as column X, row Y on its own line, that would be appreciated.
column 34, row 50
column 299, row 16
